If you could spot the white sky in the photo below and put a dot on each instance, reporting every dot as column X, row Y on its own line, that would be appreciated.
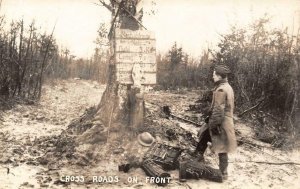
column 193, row 24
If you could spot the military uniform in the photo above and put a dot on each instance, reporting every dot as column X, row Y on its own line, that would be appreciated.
column 221, row 125
column 220, row 128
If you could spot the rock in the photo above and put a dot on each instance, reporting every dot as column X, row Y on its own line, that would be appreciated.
column 83, row 161
column 26, row 115
column 34, row 152
column 27, row 141
column 5, row 159
column 50, row 145
column 39, row 178
column 59, row 182
column 27, row 184
column 32, row 163
column 118, row 150
column 30, row 102
column 18, row 151
column 43, row 160
column 53, row 166
column 39, row 117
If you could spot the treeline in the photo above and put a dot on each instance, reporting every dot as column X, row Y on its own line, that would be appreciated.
column 265, row 75
column 29, row 56
column 25, row 53
column 66, row 66
column 264, row 63
column 266, row 71
column 177, row 70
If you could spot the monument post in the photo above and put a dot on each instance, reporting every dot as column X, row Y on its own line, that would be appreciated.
column 132, row 68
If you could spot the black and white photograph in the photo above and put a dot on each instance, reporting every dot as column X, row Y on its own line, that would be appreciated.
column 181, row 94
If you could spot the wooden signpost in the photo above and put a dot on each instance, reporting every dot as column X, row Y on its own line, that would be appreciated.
column 135, row 47
column 132, row 69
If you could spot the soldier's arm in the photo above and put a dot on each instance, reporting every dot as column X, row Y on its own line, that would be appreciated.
column 218, row 112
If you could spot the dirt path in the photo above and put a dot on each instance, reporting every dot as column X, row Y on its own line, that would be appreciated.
column 22, row 126
column 61, row 102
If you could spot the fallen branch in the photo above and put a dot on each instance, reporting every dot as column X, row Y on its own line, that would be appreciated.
column 254, row 147
column 282, row 163
column 186, row 120
column 166, row 110
column 251, row 141
column 8, row 170
column 183, row 184
column 252, row 108
column 271, row 163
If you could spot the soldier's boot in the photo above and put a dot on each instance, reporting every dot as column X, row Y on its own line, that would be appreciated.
column 199, row 155
column 202, row 145
column 223, row 164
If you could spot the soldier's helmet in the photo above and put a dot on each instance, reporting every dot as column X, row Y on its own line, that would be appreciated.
column 146, row 139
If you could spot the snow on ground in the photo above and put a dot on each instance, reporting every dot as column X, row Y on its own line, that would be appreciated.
column 65, row 100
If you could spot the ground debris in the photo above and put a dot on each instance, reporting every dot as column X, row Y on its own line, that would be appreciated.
column 64, row 148
column 83, row 123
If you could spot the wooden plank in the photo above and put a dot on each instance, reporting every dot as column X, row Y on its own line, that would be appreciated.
column 135, row 46
column 135, row 58
column 138, row 34
column 150, row 67
column 150, row 78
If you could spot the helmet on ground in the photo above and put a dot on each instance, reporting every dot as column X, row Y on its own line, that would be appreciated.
column 146, row 139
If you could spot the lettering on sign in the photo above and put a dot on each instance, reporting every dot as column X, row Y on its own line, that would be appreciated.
column 135, row 58
column 144, row 67
column 138, row 34
column 135, row 47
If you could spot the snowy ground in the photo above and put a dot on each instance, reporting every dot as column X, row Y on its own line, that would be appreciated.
column 63, row 101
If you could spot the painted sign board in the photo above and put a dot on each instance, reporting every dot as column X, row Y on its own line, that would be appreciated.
column 135, row 47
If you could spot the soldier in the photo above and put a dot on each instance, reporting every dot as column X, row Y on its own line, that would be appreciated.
column 220, row 128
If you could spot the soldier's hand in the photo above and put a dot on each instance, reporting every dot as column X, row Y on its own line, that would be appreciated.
column 199, row 133
column 206, row 119
column 216, row 130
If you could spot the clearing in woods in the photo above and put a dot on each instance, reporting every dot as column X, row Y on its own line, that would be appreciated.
column 30, row 136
